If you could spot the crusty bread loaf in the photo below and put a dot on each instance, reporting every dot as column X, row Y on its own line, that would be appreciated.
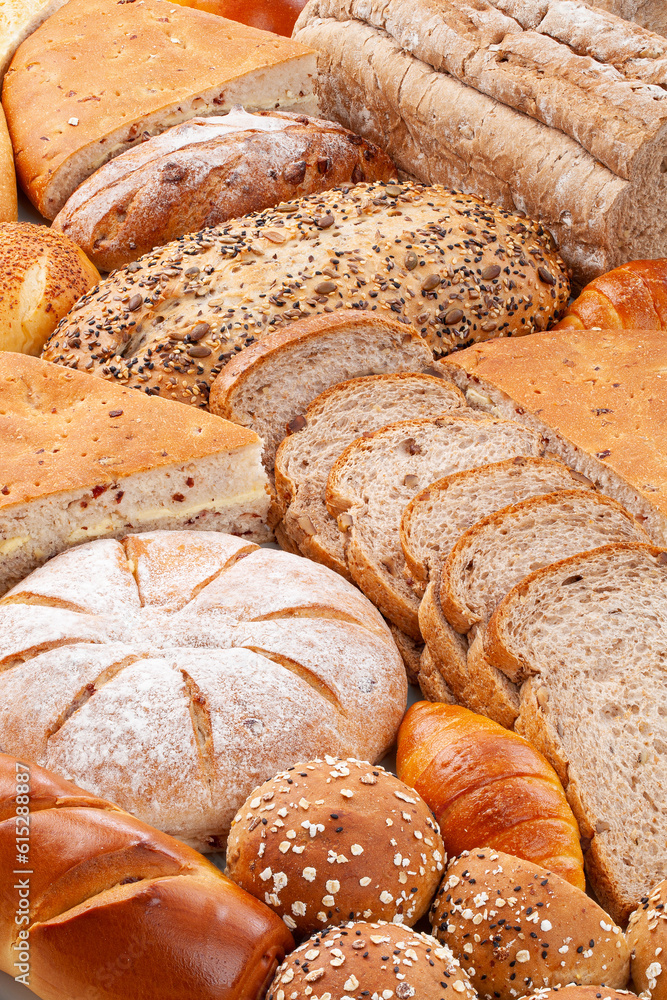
column 337, row 417
column 650, row 13
column 104, row 905
column 168, row 323
column 100, row 76
column 174, row 671
column 556, row 108
column 435, row 519
column 376, row 477
column 206, row 171
column 8, row 202
column 588, row 633
column 84, row 459
column 515, row 926
column 647, row 937
column 43, row 275
column 271, row 383
column 632, row 297
column 375, row 852
column 597, row 396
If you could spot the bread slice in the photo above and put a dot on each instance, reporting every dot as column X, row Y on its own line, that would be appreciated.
column 99, row 76
column 599, row 398
column 376, row 477
column 590, row 634
column 411, row 653
column 432, row 522
column 83, row 459
column 431, row 682
column 272, row 382
column 503, row 548
column 338, row 416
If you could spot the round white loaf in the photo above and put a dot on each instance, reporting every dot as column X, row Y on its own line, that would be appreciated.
column 173, row 672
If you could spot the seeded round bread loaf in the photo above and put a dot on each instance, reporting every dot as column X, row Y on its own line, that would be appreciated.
column 580, row 993
column 515, row 926
column 335, row 840
column 647, row 936
column 456, row 268
column 370, row 961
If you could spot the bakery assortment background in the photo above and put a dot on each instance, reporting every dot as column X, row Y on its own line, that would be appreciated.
column 333, row 367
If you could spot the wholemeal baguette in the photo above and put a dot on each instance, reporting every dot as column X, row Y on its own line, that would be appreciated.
column 433, row 521
column 101, row 76
column 337, row 417
column 586, row 637
column 271, row 383
column 632, row 297
column 206, row 171
column 597, row 396
column 168, row 323
column 375, row 478
column 514, row 102
column 104, row 905
column 84, row 459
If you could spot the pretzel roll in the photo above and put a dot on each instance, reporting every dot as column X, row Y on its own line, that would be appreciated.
column 647, row 936
column 515, row 927
column 334, row 840
column 95, row 903
column 488, row 786
column 371, row 961
column 631, row 297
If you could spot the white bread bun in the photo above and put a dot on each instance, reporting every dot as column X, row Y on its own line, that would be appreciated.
column 343, row 840
column 516, row 927
column 8, row 202
column 647, row 936
column 43, row 275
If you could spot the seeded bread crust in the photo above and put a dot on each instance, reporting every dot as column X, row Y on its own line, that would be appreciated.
column 647, row 937
column 168, row 323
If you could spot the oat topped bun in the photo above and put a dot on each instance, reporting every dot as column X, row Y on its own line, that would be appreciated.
column 336, row 840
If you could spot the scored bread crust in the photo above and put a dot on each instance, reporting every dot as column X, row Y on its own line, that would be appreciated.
column 168, row 323
column 206, row 171
column 259, row 388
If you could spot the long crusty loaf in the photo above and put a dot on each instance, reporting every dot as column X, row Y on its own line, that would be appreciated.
column 497, row 552
column 269, row 384
column 435, row 519
column 337, row 417
column 597, row 396
column 83, row 459
column 450, row 265
column 588, row 637
column 554, row 108
column 206, row 171
column 100, row 76
column 376, row 476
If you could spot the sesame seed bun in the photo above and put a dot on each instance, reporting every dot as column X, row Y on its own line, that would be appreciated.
column 647, row 936
column 579, row 993
column 336, row 840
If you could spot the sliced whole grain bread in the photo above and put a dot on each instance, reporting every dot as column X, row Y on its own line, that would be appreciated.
column 377, row 476
column 590, row 635
column 269, row 384
column 436, row 518
column 431, row 682
column 411, row 652
column 497, row 552
column 338, row 416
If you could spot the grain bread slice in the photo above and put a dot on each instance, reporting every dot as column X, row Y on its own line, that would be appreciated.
column 435, row 519
column 333, row 420
column 100, row 76
column 598, row 396
column 589, row 634
column 270, row 383
column 431, row 682
column 497, row 552
column 82, row 459
column 377, row 476
column 411, row 652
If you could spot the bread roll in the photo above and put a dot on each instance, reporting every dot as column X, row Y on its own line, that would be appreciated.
column 370, row 961
column 647, row 936
column 335, row 840
column 580, row 993
column 106, row 906
column 488, row 786
column 270, row 15
column 43, row 275
column 515, row 926
column 8, row 203
column 631, row 297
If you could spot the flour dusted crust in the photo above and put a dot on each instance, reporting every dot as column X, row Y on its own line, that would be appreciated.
column 172, row 672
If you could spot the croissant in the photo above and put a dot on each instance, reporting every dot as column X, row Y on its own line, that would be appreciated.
column 488, row 787
column 631, row 297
